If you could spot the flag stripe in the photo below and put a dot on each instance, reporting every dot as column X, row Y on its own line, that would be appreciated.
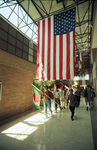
column 57, row 57
column 40, row 51
column 37, row 74
column 48, row 52
column 68, row 56
column 61, row 56
column 43, row 46
column 54, row 59
column 46, row 43
column 74, row 51
column 64, row 56
column 51, row 39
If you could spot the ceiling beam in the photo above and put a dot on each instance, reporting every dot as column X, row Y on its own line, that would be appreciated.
column 37, row 8
column 62, row 10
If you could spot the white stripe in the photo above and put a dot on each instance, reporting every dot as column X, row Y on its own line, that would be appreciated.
column 57, row 57
column 45, row 51
column 64, row 56
column 40, row 52
column 71, row 56
column 51, row 61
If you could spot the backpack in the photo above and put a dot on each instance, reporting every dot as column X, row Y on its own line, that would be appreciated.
column 92, row 93
column 85, row 93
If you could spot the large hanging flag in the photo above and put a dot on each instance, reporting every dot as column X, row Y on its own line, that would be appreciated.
column 36, row 97
column 56, row 47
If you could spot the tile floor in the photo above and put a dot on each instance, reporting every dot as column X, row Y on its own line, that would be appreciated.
column 34, row 132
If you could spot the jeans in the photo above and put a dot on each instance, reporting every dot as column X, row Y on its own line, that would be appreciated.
column 47, row 103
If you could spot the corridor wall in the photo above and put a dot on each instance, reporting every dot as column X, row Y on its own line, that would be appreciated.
column 17, row 71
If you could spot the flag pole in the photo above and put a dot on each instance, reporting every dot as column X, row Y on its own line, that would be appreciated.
column 43, row 93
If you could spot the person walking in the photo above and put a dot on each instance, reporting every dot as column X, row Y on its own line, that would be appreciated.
column 92, row 98
column 47, row 102
column 62, row 98
column 66, row 97
column 78, row 94
column 57, row 99
column 72, row 100
column 88, row 96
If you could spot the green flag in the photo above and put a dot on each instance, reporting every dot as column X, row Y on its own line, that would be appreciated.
column 36, row 97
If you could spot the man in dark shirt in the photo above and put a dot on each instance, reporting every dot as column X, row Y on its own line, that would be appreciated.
column 78, row 94
column 72, row 100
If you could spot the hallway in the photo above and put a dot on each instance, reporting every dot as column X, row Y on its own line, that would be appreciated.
column 34, row 132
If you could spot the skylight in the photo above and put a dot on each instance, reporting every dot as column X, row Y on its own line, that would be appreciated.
column 14, row 13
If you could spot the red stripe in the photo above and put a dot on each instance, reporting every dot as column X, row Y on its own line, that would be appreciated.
column 74, row 49
column 43, row 46
column 49, row 45
column 60, row 56
column 68, row 56
column 37, row 73
column 54, row 58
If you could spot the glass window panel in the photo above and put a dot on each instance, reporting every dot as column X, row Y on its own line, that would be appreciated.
column 25, row 48
column 31, row 44
column 13, row 19
column 3, row 35
column 12, row 31
column 26, row 41
column 19, row 44
column 30, row 51
column 19, row 52
column 20, row 36
column 3, row 24
column 11, row 40
column 5, row 11
column 24, row 29
column 35, row 40
column 34, row 47
column 35, row 54
column 11, row 48
column 30, row 58
column 16, row 9
column 25, row 55
column 3, row 45
column 35, row 28
column 29, row 33
column 34, row 36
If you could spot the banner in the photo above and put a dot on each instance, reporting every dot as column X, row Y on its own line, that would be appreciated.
column 36, row 97
column 56, row 46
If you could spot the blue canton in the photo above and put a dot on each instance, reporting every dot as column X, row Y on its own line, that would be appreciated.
column 64, row 22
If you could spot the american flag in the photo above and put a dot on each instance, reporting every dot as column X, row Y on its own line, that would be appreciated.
column 56, row 47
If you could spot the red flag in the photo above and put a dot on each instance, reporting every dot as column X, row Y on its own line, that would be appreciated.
column 62, row 85
column 81, row 64
column 56, row 47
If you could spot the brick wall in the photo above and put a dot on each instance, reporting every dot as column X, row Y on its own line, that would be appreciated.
column 16, row 76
